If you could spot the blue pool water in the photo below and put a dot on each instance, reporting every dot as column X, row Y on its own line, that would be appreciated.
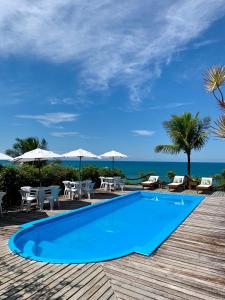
column 137, row 222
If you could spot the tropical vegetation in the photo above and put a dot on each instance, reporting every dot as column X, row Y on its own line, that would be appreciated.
column 214, row 80
column 24, row 145
column 187, row 133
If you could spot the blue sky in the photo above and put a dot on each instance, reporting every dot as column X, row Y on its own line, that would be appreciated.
column 104, row 75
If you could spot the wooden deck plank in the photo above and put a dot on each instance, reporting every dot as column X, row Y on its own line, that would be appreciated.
column 189, row 265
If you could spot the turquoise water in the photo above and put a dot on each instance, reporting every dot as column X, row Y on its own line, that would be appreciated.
column 137, row 222
column 132, row 169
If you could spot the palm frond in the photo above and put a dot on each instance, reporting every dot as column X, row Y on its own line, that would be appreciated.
column 219, row 130
column 214, row 78
column 172, row 149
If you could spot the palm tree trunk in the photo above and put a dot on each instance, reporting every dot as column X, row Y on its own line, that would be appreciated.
column 189, row 164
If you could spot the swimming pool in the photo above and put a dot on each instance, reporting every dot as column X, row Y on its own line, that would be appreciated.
column 136, row 222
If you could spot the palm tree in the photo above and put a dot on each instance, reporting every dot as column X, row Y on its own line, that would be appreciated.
column 23, row 145
column 187, row 133
column 214, row 79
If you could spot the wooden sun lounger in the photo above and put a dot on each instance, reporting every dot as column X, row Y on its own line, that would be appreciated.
column 178, row 182
column 205, row 185
column 152, row 182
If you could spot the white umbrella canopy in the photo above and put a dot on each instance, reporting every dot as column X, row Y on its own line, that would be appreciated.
column 5, row 157
column 36, row 155
column 113, row 154
column 79, row 153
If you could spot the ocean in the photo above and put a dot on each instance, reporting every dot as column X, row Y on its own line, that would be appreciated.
column 132, row 169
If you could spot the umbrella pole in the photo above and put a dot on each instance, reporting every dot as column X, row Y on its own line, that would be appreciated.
column 113, row 161
column 80, row 190
column 80, row 169
column 39, row 172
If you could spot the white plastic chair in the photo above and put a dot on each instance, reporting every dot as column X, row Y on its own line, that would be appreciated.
column 103, row 182
column 55, row 194
column 119, row 183
column 45, row 196
column 67, row 188
column 29, row 198
column 2, row 194
column 75, row 189
column 51, row 195
column 89, row 187
column 109, row 183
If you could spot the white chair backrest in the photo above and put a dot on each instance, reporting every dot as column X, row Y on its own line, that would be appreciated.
column 117, row 179
column 26, row 188
column 89, row 186
column 102, row 178
column 34, row 192
column 67, row 184
column 86, row 183
column 109, row 179
column 2, row 194
column 28, row 192
column 24, row 194
column 153, row 178
column 55, row 191
column 178, row 179
column 75, row 184
column 206, row 181
column 48, row 191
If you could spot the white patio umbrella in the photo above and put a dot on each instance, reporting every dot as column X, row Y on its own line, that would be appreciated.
column 79, row 153
column 113, row 154
column 5, row 157
column 36, row 155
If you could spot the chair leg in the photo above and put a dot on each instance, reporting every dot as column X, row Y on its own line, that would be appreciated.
column 28, row 206
column 51, row 201
column 41, row 205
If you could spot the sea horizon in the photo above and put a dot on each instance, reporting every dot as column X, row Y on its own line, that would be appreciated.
column 134, row 168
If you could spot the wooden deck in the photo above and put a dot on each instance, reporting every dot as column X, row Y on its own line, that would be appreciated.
column 189, row 265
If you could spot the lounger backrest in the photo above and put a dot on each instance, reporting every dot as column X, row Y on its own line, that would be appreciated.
column 206, row 181
column 153, row 178
column 178, row 179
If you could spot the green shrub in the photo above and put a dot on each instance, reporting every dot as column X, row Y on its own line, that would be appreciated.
column 171, row 175
column 220, row 180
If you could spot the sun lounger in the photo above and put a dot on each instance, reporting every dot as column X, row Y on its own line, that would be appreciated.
column 205, row 185
column 178, row 182
column 152, row 182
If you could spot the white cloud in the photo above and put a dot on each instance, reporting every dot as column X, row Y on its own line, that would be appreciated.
column 204, row 43
column 143, row 132
column 79, row 101
column 170, row 105
column 51, row 119
column 64, row 133
column 111, row 41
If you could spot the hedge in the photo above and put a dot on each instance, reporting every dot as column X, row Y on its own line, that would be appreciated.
column 12, row 177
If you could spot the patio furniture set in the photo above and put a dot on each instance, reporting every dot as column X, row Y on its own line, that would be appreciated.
column 78, row 189
column 112, row 183
column 178, row 182
column 38, row 196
